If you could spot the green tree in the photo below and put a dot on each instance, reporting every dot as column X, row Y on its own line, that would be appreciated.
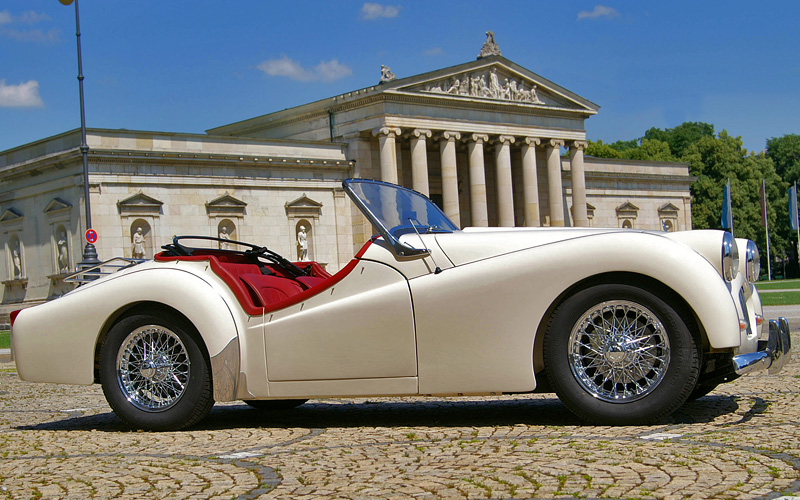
column 785, row 153
column 600, row 150
column 714, row 160
column 682, row 136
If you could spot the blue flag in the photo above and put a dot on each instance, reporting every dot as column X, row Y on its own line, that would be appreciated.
column 793, row 208
column 727, row 211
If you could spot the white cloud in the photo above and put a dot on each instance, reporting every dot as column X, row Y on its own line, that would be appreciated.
column 289, row 68
column 436, row 51
column 39, row 36
column 31, row 17
column 27, row 35
column 371, row 11
column 332, row 70
column 599, row 11
column 24, row 95
column 286, row 67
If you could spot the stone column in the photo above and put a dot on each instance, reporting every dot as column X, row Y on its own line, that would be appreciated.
column 530, row 182
column 554, row 182
column 578, row 184
column 419, row 160
column 505, row 183
column 447, row 149
column 388, row 153
column 477, row 180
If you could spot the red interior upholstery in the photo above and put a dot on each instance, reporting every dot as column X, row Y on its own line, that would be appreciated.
column 259, row 293
column 266, row 290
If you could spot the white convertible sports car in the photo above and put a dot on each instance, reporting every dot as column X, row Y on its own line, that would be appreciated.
column 623, row 325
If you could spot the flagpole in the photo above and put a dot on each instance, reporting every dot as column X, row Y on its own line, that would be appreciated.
column 794, row 217
column 765, row 213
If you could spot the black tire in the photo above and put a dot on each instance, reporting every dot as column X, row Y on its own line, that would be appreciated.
column 155, row 374
column 608, row 377
column 274, row 404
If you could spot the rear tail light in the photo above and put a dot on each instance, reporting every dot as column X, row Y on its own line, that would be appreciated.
column 14, row 315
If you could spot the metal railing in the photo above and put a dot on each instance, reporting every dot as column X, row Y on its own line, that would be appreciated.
column 110, row 266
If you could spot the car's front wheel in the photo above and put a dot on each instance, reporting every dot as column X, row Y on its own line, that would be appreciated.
column 617, row 354
column 155, row 374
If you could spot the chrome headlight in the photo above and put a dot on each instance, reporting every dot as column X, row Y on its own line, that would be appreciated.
column 730, row 257
column 753, row 262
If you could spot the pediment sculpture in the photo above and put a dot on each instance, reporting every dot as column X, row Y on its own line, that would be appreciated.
column 486, row 84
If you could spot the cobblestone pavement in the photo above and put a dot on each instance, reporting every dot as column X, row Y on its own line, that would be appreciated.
column 741, row 441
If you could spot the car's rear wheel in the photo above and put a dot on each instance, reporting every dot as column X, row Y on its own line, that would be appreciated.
column 274, row 404
column 155, row 374
column 617, row 354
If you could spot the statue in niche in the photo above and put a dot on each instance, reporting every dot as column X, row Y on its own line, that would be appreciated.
column 223, row 234
column 302, row 244
column 15, row 258
column 138, row 244
column 386, row 74
column 63, row 253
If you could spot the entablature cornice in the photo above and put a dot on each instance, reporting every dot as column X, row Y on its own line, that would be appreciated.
column 633, row 177
column 215, row 160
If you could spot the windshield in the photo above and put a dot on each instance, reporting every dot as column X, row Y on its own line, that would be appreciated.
column 395, row 210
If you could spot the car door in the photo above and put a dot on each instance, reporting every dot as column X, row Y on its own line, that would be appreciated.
column 361, row 328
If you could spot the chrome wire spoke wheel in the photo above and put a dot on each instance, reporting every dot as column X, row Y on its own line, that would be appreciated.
column 619, row 351
column 153, row 368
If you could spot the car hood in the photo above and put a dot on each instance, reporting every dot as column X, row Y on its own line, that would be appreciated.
column 473, row 244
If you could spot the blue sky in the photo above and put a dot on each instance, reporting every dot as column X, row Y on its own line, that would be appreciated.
column 182, row 66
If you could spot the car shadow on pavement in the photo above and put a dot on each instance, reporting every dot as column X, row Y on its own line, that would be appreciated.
column 429, row 413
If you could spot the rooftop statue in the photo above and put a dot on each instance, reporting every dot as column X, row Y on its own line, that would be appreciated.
column 489, row 48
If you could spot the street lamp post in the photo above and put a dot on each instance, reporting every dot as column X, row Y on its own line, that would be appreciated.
column 89, row 251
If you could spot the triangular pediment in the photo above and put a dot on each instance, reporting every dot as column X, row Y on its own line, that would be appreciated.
column 226, row 200
column 226, row 204
column 303, row 207
column 10, row 214
column 303, row 202
column 627, row 207
column 140, row 203
column 57, row 205
column 668, row 208
column 492, row 79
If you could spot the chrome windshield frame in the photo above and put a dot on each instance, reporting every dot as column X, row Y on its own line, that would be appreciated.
column 400, row 249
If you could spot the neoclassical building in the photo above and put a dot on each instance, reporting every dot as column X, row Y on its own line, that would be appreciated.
column 492, row 143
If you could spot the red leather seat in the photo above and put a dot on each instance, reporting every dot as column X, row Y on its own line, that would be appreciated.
column 267, row 289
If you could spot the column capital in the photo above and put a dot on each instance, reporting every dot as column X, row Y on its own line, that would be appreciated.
column 387, row 131
column 555, row 143
column 505, row 139
column 579, row 144
column 420, row 132
column 479, row 138
column 533, row 141
column 449, row 135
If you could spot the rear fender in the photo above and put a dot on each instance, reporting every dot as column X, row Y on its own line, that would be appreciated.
column 70, row 328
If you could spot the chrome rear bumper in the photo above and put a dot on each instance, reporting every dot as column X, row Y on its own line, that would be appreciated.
column 772, row 354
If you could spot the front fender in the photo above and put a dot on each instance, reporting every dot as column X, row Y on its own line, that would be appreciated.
column 674, row 264
column 56, row 341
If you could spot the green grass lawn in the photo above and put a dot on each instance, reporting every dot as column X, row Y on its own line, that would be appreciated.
column 780, row 298
column 778, row 285
column 5, row 339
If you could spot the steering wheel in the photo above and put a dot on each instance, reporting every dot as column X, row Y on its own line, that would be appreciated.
column 254, row 251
